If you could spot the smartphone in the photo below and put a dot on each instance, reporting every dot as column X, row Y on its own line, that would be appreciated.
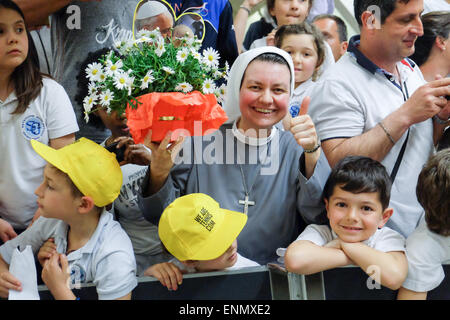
column 120, row 153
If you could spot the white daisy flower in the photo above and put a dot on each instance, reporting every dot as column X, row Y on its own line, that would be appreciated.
column 208, row 86
column 92, row 89
column 184, row 86
column 221, row 92
column 89, row 102
column 182, row 55
column 168, row 70
column 148, row 78
column 155, row 34
column 94, row 71
column 112, row 68
column 143, row 33
column 106, row 97
column 160, row 48
column 211, row 57
column 121, row 80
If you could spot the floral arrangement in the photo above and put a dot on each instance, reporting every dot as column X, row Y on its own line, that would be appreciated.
column 152, row 64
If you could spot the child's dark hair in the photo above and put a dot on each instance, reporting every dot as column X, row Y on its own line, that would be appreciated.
column 433, row 192
column 27, row 78
column 83, row 84
column 358, row 174
column 304, row 28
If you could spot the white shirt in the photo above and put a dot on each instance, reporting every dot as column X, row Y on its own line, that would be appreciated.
column 352, row 98
column 106, row 260
column 49, row 116
column 426, row 251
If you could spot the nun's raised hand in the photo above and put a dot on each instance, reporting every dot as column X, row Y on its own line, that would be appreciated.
column 162, row 159
column 302, row 127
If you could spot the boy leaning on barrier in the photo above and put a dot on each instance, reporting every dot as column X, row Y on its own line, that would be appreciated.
column 429, row 245
column 80, row 179
column 202, row 238
column 356, row 196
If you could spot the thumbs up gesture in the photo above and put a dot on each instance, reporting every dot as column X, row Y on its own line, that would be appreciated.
column 302, row 127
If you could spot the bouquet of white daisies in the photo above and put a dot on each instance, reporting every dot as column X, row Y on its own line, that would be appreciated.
column 152, row 64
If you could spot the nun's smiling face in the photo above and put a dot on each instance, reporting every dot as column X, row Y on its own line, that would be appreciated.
column 264, row 95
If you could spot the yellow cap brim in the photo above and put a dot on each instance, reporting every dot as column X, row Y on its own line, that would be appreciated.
column 49, row 154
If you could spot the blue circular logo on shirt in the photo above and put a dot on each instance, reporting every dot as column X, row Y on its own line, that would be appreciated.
column 33, row 127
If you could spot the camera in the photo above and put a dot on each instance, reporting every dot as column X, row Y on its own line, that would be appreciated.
column 120, row 153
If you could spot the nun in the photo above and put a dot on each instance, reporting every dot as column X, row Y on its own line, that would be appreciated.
column 274, row 176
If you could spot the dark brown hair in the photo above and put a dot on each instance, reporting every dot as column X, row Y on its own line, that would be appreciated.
column 308, row 29
column 433, row 192
column 27, row 78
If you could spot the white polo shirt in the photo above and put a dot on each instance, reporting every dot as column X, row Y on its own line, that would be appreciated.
column 49, row 116
column 352, row 98
column 106, row 260
column 426, row 251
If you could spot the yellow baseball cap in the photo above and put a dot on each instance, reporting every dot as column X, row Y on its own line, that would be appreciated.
column 194, row 227
column 93, row 169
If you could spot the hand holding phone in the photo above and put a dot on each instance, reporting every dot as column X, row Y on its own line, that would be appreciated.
column 120, row 153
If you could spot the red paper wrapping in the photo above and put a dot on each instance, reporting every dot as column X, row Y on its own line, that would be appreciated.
column 194, row 112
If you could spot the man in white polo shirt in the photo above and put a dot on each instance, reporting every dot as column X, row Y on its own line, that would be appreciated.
column 375, row 102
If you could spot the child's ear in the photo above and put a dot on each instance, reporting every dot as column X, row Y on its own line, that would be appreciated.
column 86, row 204
column 385, row 217
column 326, row 205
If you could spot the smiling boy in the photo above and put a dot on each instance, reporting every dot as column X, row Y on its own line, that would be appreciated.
column 356, row 197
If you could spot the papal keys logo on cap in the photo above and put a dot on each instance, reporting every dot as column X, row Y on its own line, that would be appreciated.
column 33, row 127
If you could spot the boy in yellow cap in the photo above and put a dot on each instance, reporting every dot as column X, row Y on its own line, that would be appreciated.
column 80, row 179
column 201, row 236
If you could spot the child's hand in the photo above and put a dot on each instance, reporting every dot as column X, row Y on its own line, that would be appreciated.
column 6, row 231
column 55, row 274
column 8, row 282
column 167, row 273
column 134, row 153
column 46, row 251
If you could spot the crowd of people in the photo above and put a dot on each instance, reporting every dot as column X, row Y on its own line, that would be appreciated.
column 335, row 151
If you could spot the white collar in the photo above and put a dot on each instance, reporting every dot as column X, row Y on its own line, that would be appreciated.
column 252, row 141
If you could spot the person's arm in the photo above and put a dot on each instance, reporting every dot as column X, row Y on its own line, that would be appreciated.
column 406, row 294
column 240, row 21
column 392, row 266
column 62, row 141
column 305, row 257
column 426, row 102
column 161, row 162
